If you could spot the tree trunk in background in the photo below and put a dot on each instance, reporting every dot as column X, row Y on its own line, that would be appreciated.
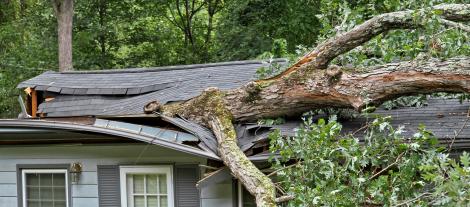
column 213, row 6
column 64, row 13
column 102, row 37
column 23, row 7
column 313, row 83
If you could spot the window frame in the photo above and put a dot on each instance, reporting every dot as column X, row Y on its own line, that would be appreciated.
column 43, row 171
column 146, row 169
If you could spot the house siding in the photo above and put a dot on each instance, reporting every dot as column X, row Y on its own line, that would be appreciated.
column 85, row 193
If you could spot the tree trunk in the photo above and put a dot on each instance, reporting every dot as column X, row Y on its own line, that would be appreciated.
column 102, row 38
column 311, row 83
column 64, row 13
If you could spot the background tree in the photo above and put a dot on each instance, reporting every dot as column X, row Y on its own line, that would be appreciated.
column 63, row 10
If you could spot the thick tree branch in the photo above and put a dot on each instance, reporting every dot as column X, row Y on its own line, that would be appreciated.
column 212, row 112
column 362, row 33
column 303, row 91
column 325, row 52
column 457, row 25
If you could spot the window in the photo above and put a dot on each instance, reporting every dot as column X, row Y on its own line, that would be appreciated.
column 45, row 188
column 146, row 186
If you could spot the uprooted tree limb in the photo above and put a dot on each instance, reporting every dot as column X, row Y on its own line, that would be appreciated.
column 312, row 83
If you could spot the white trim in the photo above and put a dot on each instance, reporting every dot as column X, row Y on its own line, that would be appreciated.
column 146, row 169
column 44, row 171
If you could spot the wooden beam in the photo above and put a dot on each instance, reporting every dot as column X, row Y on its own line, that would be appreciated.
column 34, row 103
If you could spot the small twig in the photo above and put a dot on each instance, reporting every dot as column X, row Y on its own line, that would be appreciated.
column 286, row 167
column 360, row 129
column 413, row 200
column 458, row 132
column 284, row 198
column 388, row 167
column 280, row 189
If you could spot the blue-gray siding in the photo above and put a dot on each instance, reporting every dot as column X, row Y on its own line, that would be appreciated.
column 86, row 192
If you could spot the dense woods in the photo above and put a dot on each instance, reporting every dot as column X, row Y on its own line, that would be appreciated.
column 122, row 34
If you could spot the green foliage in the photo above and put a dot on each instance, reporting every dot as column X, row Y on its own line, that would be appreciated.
column 434, row 40
column 269, row 122
column 340, row 113
column 272, row 69
column 125, row 34
column 27, row 47
column 406, row 101
column 422, row 100
column 250, row 27
column 382, row 169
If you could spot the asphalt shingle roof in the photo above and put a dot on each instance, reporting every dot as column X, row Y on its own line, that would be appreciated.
column 126, row 91
column 443, row 117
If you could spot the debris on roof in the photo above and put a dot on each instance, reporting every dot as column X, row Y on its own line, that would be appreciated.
column 454, row 116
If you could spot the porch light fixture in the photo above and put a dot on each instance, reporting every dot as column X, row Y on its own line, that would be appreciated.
column 75, row 172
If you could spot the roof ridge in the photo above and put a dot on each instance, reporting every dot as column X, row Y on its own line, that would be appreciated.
column 173, row 67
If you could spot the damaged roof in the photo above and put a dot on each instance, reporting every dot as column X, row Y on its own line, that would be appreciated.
column 167, row 138
column 109, row 93
column 446, row 118
column 126, row 91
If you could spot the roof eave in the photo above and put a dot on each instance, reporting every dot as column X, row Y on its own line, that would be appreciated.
column 32, row 124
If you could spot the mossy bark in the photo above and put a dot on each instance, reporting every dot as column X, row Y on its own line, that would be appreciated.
column 210, row 109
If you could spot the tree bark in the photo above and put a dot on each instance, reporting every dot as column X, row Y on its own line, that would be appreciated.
column 64, row 12
column 310, row 83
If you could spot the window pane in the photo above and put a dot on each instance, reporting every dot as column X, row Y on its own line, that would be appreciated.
column 47, row 203
column 163, row 201
column 46, row 193
column 45, row 179
column 152, row 201
column 139, row 183
column 32, row 179
column 162, row 184
column 139, row 201
column 59, row 203
column 33, row 203
column 32, row 192
column 58, row 179
column 45, row 189
column 152, row 184
column 59, row 193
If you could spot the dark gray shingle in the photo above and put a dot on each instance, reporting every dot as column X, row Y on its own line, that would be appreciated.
column 125, row 92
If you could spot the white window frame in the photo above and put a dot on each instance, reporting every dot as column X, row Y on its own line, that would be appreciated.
column 148, row 169
column 44, row 171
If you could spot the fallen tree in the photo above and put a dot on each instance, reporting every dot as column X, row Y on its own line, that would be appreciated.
column 313, row 83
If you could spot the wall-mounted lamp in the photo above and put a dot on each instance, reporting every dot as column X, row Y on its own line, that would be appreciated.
column 75, row 172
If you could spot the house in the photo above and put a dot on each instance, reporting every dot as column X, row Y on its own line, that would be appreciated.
column 83, row 139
